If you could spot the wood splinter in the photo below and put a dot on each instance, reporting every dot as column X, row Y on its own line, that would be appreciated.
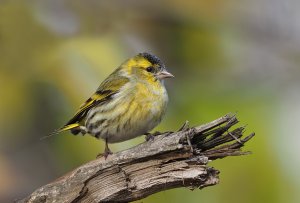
column 170, row 160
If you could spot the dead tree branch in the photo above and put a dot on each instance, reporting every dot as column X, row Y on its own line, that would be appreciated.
column 170, row 160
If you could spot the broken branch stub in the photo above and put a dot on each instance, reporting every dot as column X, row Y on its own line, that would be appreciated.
column 170, row 160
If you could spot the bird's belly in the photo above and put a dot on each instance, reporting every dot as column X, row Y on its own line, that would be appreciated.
column 128, row 120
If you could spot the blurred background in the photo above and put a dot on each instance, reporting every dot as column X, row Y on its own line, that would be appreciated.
column 227, row 56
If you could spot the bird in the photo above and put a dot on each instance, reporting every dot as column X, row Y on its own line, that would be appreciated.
column 129, row 103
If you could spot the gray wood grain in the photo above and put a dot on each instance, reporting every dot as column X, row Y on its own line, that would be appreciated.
column 170, row 160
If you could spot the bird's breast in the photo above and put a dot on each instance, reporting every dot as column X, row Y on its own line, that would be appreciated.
column 133, row 111
column 153, row 98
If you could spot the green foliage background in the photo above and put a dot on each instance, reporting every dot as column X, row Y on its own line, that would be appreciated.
column 227, row 56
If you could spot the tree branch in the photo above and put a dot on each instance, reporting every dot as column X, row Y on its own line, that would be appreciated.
column 170, row 160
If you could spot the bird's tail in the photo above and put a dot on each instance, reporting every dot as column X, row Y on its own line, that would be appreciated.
column 64, row 128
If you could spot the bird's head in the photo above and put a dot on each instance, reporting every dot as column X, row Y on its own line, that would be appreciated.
column 148, row 67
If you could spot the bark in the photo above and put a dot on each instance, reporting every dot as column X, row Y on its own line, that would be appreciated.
column 170, row 160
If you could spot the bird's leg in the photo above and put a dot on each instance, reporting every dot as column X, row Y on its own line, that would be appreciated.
column 107, row 151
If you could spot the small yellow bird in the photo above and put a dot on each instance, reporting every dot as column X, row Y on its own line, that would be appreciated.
column 127, row 104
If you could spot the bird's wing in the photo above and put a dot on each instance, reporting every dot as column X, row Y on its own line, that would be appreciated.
column 104, row 93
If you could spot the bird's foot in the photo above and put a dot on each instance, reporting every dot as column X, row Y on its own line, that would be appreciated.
column 150, row 136
column 106, row 153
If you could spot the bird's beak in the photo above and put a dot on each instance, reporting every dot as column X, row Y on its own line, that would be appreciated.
column 164, row 74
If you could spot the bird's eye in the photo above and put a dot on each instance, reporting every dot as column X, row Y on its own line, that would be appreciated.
column 150, row 69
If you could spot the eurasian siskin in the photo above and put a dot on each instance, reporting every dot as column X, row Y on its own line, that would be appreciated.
column 128, row 103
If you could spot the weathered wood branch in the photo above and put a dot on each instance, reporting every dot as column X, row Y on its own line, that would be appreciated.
column 170, row 160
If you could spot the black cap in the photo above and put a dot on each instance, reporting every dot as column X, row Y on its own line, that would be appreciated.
column 152, row 59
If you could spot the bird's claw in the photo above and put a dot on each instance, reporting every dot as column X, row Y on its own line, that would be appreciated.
column 151, row 136
column 105, row 154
